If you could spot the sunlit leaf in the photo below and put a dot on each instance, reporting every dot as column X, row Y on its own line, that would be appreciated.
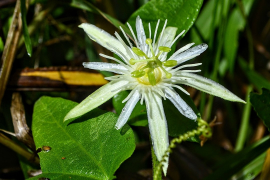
column 89, row 148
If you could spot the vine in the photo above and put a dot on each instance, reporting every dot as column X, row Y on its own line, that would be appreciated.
column 203, row 129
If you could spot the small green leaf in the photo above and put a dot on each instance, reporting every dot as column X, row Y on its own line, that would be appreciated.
column 261, row 104
column 138, row 116
column 89, row 148
column 27, row 40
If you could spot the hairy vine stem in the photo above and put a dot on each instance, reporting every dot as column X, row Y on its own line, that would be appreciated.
column 203, row 129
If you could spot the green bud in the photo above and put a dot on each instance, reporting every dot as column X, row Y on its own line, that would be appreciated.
column 164, row 48
column 137, row 73
column 148, row 41
column 138, row 52
column 151, row 77
column 170, row 63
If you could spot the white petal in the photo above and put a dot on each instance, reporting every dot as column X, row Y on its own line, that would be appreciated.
column 190, row 53
column 168, row 36
column 208, row 86
column 102, row 66
column 105, row 39
column 157, row 126
column 180, row 104
column 167, row 39
column 181, row 50
column 95, row 99
column 127, row 110
column 141, row 34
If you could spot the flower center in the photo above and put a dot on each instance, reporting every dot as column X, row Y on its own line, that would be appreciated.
column 145, row 78
column 150, row 72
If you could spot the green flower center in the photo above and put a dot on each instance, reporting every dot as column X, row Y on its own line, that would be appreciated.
column 150, row 72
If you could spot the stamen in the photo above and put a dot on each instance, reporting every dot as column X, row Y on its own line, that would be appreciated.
column 133, row 61
column 170, row 63
column 139, row 52
column 164, row 48
column 149, row 42
column 168, row 75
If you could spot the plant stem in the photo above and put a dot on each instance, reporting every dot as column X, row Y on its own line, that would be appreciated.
column 244, row 123
column 245, row 118
column 18, row 149
column 155, row 163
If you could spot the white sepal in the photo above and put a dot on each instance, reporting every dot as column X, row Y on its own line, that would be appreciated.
column 180, row 104
column 190, row 53
column 105, row 39
column 127, row 110
column 157, row 126
column 207, row 85
column 141, row 35
column 102, row 66
column 95, row 99
column 167, row 39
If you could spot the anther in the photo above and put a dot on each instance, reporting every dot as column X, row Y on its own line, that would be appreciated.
column 149, row 42
column 164, row 48
column 133, row 61
column 139, row 52
column 170, row 63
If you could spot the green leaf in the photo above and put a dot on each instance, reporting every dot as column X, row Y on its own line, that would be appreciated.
column 261, row 104
column 207, row 21
column 235, row 163
column 236, row 23
column 251, row 170
column 1, row 45
column 179, row 13
column 256, row 79
column 89, row 148
column 26, row 36
column 82, row 4
column 138, row 116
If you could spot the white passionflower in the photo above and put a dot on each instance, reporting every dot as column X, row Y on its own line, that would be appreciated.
column 150, row 75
